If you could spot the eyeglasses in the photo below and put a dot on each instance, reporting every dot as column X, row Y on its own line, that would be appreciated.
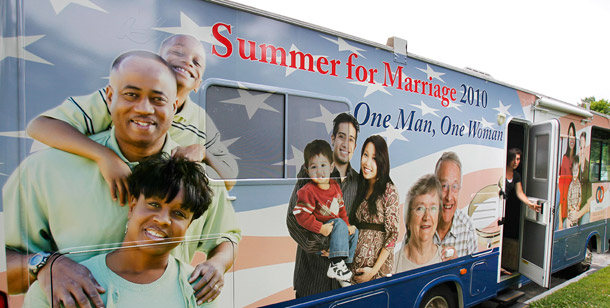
column 454, row 187
column 421, row 210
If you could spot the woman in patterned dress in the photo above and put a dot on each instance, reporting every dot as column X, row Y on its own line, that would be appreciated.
column 377, row 213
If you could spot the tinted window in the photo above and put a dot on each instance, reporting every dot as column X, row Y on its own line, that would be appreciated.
column 267, row 131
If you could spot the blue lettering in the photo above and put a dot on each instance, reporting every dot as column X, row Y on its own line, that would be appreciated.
column 454, row 129
column 474, row 126
column 368, row 112
column 402, row 122
column 377, row 119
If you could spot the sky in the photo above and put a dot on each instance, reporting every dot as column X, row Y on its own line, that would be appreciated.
column 560, row 49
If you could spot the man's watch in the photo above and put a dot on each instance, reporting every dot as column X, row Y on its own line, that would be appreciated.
column 37, row 261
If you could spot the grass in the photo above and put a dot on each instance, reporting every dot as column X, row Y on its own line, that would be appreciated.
column 590, row 291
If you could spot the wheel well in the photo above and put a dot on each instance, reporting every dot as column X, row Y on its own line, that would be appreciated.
column 592, row 243
column 453, row 286
column 457, row 290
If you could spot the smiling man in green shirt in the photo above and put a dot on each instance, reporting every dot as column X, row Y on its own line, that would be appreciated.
column 56, row 201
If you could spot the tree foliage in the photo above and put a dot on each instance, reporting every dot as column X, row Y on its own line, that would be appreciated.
column 602, row 105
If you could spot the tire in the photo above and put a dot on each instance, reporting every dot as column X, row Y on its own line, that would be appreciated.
column 584, row 266
column 439, row 297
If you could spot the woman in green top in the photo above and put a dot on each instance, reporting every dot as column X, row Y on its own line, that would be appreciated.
column 167, row 195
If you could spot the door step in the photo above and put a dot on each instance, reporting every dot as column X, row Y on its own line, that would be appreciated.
column 492, row 304
column 518, row 305
column 509, row 297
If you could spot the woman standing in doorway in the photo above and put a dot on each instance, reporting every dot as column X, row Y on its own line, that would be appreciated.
column 514, row 194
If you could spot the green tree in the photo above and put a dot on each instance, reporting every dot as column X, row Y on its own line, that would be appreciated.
column 602, row 105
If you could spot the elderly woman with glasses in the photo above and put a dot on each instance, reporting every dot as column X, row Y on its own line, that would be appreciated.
column 421, row 217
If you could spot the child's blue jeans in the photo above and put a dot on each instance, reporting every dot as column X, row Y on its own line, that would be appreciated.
column 342, row 245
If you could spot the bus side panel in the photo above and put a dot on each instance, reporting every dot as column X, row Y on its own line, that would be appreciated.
column 581, row 213
column 470, row 279
column 11, row 116
column 270, row 87
column 421, row 110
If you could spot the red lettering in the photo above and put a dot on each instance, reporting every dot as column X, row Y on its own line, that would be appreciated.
column 396, row 75
column 322, row 61
column 273, row 54
column 409, row 84
column 372, row 72
column 334, row 64
column 360, row 70
column 302, row 57
column 417, row 82
column 242, row 49
column 223, row 40
column 437, row 91
column 423, row 87
column 350, row 65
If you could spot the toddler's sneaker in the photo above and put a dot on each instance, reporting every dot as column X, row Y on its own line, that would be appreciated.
column 345, row 283
column 339, row 271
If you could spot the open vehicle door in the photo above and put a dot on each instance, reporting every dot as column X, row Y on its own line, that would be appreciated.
column 537, row 228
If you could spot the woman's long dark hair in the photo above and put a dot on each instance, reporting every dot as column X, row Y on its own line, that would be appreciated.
column 571, row 152
column 512, row 154
column 382, row 160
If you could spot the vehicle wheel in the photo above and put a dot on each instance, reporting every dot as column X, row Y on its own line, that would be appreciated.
column 586, row 263
column 439, row 297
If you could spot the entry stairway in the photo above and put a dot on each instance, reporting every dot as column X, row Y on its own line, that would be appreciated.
column 506, row 299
